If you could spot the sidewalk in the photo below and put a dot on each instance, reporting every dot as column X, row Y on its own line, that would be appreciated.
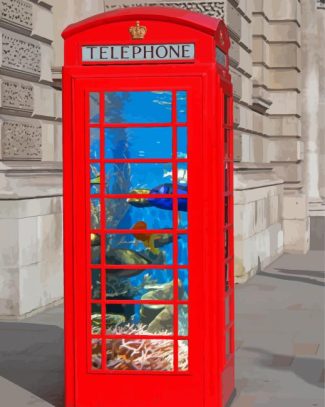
column 280, row 343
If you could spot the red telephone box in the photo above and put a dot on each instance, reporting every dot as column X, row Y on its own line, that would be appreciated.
column 148, row 210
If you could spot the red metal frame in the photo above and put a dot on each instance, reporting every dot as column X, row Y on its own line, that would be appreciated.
column 210, row 378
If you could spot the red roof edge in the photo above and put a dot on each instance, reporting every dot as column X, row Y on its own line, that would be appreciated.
column 193, row 19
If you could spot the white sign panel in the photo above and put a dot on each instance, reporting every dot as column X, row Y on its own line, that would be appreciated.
column 139, row 52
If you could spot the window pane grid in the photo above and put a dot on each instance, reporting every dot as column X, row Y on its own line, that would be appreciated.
column 102, row 340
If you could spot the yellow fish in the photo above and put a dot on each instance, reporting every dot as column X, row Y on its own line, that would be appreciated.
column 148, row 239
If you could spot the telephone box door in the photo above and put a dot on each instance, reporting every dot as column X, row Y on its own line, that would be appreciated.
column 138, row 261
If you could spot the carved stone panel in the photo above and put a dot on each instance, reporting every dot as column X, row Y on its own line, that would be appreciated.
column 16, row 95
column 21, row 140
column 210, row 8
column 20, row 54
column 18, row 13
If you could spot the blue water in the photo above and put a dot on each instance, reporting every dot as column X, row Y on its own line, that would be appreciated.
column 124, row 178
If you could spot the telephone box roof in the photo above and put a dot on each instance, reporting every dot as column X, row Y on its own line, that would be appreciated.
column 180, row 16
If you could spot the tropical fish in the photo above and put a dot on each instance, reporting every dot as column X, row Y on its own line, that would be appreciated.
column 125, row 256
column 139, row 202
column 162, row 203
column 95, row 180
column 148, row 239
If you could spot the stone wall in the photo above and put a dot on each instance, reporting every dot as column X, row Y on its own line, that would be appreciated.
column 30, row 160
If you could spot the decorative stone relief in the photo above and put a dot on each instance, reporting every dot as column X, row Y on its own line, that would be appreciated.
column 17, row 95
column 320, row 3
column 210, row 8
column 17, row 12
column 21, row 140
column 20, row 54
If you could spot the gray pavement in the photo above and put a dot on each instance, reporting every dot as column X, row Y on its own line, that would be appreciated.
column 279, row 340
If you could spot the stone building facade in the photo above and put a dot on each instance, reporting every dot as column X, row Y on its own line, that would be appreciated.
column 277, row 68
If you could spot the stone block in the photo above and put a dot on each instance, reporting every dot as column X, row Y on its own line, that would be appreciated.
column 234, row 53
column 246, row 118
column 16, row 96
column 289, row 172
column 286, row 150
column 44, row 102
column 233, row 20
column 288, row 30
column 277, row 79
column 247, row 90
column 58, row 104
column 20, row 139
column 24, row 208
column 283, row 126
column 9, row 291
column 16, row 14
column 9, row 253
column 257, row 251
column 296, row 235
column 236, row 78
column 49, row 233
column 43, row 27
column 236, row 114
column 295, row 206
column 237, row 146
column 285, row 55
column 28, row 241
column 48, row 140
column 246, row 35
column 58, row 143
column 254, row 148
column 256, row 186
column 279, row 10
column 45, row 281
column 246, row 7
column 46, row 63
column 245, row 62
column 285, row 103
column 19, row 55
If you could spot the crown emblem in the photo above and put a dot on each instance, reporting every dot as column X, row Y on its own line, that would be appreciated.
column 138, row 31
column 222, row 40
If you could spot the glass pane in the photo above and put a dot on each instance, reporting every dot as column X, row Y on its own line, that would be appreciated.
column 138, row 107
column 226, row 244
column 95, row 284
column 140, row 354
column 182, row 249
column 182, row 214
column 183, row 320
column 139, row 213
column 96, row 353
column 139, row 249
column 183, row 355
column 96, row 319
column 183, row 282
column 138, row 178
column 182, row 142
column 227, row 310
column 94, row 143
column 226, row 177
column 94, row 107
column 227, row 338
column 143, row 142
column 226, row 210
column 95, row 241
column 155, row 284
column 94, row 179
column 182, row 175
column 181, row 106
column 226, row 276
column 94, row 213
column 226, row 143
column 139, row 319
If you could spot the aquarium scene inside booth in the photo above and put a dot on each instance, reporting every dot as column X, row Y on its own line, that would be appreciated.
column 138, row 218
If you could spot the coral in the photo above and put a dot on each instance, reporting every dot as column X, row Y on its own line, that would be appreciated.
column 140, row 354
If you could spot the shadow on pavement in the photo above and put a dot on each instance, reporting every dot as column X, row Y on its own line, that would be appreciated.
column 308, row 369
column 289, row 278
column 31, row 356
column 308, row 273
